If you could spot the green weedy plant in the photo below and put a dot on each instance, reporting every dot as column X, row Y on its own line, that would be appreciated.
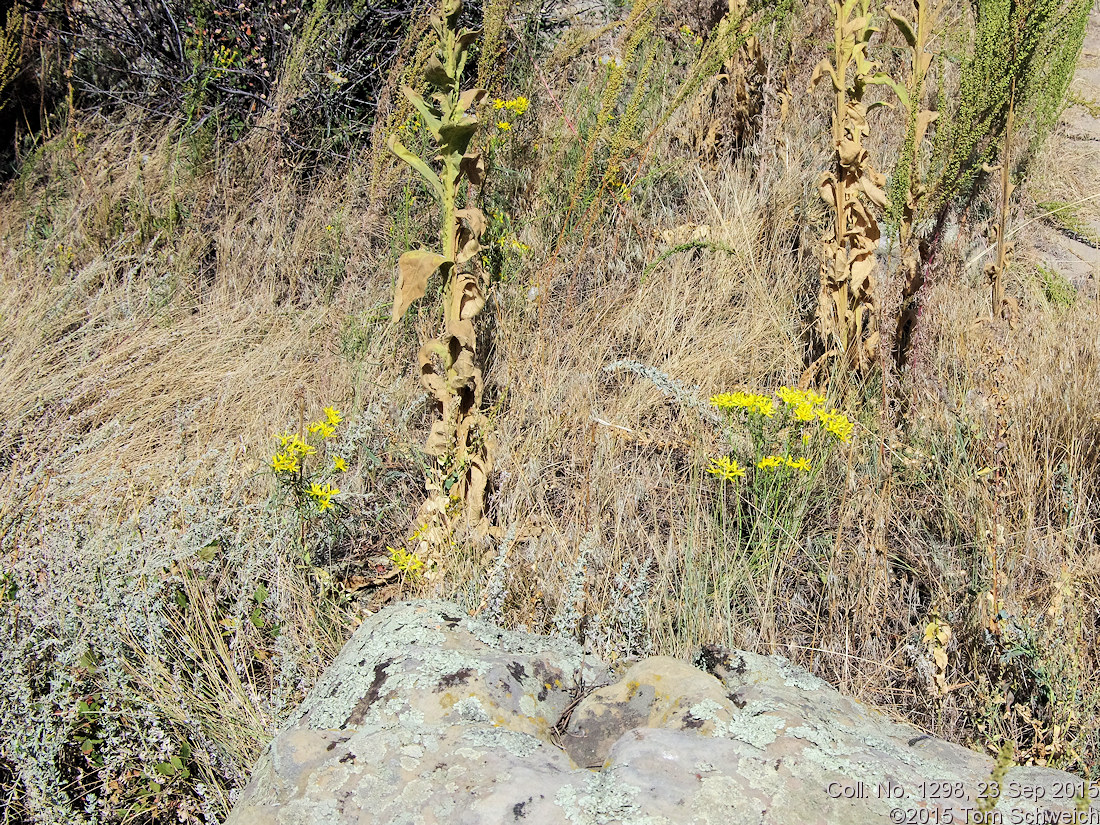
column 10, row 37
column 449, row 369
column 1020, row 67
column 1023, row 58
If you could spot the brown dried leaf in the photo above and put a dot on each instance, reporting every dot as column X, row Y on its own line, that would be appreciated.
column 468, row 297
column 472, row 166
column 438, row 441
column 820, row 70
column 471, row 227
column 413, row 271
column 924, row 120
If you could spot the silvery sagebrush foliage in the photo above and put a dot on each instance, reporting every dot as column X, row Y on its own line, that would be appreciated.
column 669, row 387
column 91, row 609
column 497, row 589
column 568, row 617
column 620, row 632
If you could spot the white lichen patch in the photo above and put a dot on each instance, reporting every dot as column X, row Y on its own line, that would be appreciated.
column 721, row 800
column 510, row 741
column 528, row 706
column 753, row 726
column 797, row 677
column 706, row 710
column 470, row 709
column 604, row 799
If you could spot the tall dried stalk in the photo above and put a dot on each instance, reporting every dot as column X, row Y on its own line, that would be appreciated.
column 449, row 369
column 847, row 311
column 995, row 270
column 908, row 190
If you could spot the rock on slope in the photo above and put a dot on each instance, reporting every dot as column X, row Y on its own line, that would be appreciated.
column 429, row 716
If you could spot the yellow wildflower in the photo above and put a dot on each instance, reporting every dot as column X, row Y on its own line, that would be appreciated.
column 405, row 561
column 504, row 125
column 794, row 397
column 770, row 461
column 515, row 107
column 804, row 412
column 283, row 463
column 761, row 404
column 799, row 464
column 333, row 416
column 339, row 464
column 322, row 494
column 836, row 424
column 725, row 468
column 300, row 447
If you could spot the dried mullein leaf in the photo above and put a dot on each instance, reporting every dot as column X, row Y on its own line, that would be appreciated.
column 463, row 332
column 883, row 79
column 471, row 227
column 856, row 24
column 436, row 74
column 826, row 188
column 472, row 166
column 413, row 271
column 467, row 247
column 876, row 194
column 468, row 297
column 474, row 218
column 924, row 119
column 470, row 97
column 454, row 138
column 430, row 114
column 430, row 378
column 820, row 70
column 438, row 443
column 849, row 151
column 466, row 38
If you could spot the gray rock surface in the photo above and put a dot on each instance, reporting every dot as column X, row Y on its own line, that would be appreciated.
column 429, row 716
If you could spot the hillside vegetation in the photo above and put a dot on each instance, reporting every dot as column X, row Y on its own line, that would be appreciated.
column 702, row 324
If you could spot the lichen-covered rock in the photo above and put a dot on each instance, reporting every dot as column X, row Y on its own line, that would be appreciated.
column 428, row 716
column 659, row 692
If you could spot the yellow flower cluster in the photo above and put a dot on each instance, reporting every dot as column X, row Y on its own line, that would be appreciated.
column 327, row 427
column 294, row 449
column 322, row 494
column 805, row 405
column 836, row 423
column 803, row 402
column 405, row 561
column 512, row 109
column 686, row 31
column 515, row 107
column 761, row 404
column 726, row 469
column 770, row 462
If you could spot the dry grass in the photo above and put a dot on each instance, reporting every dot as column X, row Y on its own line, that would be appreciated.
column 165, row 307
